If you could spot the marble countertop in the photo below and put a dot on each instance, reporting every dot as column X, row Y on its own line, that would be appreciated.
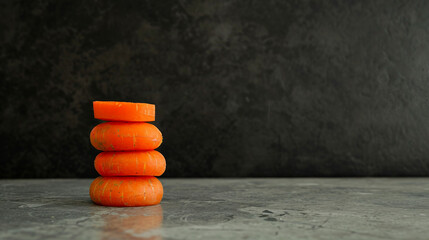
column 283, row 208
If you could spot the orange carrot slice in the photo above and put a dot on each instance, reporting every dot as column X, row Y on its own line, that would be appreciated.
column 126, row 191
column 125, row 136
column 135, row 163
column 124, row 111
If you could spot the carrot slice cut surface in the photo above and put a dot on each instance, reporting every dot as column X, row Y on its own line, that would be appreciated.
column 124, row 111
column 126, row 191
column 125, row 136
column 133, row 163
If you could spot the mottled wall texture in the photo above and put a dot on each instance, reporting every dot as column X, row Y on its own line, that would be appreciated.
column 242, row 88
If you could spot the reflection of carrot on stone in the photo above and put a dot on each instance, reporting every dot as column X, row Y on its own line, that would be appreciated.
column 133, row 223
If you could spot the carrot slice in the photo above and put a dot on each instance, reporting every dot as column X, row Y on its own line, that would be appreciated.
column 135, row 163
column 124, row 111
column 126, row 191
column 125, row 136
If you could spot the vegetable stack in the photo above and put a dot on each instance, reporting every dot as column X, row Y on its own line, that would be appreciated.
column 128, row 164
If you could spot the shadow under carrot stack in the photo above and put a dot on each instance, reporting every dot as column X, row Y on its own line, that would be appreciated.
column 128, row 164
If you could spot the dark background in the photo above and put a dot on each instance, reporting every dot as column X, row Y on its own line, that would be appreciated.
column 242, row 88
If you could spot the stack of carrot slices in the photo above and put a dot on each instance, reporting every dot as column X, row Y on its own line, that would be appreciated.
column 129, row 163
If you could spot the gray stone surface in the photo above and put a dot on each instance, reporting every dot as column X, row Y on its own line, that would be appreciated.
column 223, row 209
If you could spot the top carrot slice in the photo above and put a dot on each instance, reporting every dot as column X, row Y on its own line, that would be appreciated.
column 124, row 111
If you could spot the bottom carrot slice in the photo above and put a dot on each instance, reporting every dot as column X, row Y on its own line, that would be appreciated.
column 126, row 191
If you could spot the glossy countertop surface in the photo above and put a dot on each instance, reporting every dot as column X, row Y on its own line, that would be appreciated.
column 281, row 208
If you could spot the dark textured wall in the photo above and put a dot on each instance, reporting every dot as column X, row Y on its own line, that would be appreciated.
column 242, row 88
